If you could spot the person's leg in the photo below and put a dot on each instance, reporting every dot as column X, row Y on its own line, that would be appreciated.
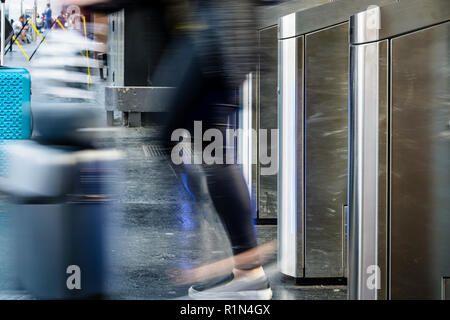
column 231, row 199
column 208, row 100
column 228, row 191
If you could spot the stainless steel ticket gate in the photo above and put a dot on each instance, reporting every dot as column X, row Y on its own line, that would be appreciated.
column 260, row 111
column 399, row 192
column 313, row 139
column 265, row 101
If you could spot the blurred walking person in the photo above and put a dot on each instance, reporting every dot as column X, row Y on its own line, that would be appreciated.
column 209, row 48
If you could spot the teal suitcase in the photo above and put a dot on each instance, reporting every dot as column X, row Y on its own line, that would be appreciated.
column 15, row 111
column 15, row 94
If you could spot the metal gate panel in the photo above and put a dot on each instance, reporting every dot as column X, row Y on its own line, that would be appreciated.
column 420, row 173
column 326, row 139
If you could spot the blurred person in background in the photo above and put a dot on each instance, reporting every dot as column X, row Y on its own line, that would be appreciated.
column 48, row 17
column 39, row 22
column 20, row 30
column 62, row 19
column 207, row 49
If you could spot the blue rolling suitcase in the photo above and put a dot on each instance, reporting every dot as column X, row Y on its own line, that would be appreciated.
column 15, row 94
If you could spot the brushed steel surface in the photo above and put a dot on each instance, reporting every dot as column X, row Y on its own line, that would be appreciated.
column 324, row 189
column 326, row 138
column 269, row 15
column 383, row 169
column 268, row 114
column 255, row 148
column 420, row 205
column 116, row 48
column 397, row 18
column 325, row 15
column 367, row 181
column 290, row 176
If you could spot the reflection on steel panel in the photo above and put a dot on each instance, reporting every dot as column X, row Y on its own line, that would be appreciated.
column 290, row 177
column 379, row 54
column 415, row 259
column 383, row 163
column 324, row 189
column 268, row 115
column 255, row 166
column 420, row 205
column 247, row 120
column 368, row 163
column 326, row 126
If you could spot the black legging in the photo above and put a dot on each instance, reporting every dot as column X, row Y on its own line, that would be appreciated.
column 208, row 99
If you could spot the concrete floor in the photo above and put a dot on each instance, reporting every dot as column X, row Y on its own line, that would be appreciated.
column 156, row 229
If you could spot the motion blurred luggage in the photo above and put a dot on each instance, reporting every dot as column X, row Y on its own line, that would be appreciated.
column 15, row 92
column 60, row 187
column 61, row 197
column 61, row 192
